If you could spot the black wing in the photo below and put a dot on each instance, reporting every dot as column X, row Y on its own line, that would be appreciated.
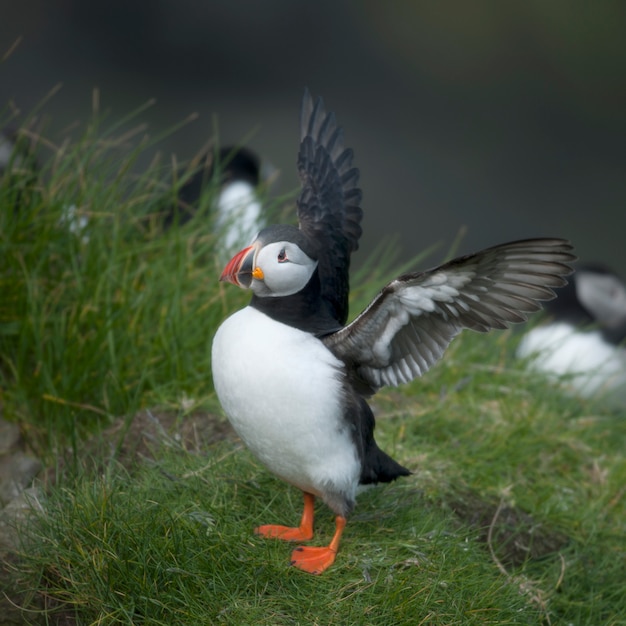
column 329, row 209
column 408, row 326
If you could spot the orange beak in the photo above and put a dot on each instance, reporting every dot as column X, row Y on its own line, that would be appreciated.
column 240, row 269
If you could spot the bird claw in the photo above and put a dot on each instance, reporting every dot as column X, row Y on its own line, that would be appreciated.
column 313, row 560
column 285, row 533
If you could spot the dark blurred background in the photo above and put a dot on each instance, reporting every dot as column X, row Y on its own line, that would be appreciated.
column 508, row 118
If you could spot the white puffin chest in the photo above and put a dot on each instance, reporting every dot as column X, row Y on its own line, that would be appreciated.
column 281, row 389
column 588, row 364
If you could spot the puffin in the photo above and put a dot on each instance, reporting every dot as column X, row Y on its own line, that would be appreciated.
column 19, row 165
column 238, row 208
column 582, row 342
column 293, row 377
column 7, row 145
column 17, row 157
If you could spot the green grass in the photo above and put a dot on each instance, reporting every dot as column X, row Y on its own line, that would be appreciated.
column 175, row 546
column 515, row 512
column 94, row 329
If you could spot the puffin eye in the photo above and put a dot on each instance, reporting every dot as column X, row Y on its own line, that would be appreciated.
column 282, row 256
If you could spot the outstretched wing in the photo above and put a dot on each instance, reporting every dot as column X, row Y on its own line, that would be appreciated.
column 407, row 327
column 329, row 209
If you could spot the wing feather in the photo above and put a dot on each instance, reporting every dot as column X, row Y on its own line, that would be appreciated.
column 329, row 211
column 408, row 326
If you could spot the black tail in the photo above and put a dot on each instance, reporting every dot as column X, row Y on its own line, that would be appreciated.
column 376, row 466
column 380, row 467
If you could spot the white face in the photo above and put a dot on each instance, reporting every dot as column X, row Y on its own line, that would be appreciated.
column 603, row 295
column 286, row 269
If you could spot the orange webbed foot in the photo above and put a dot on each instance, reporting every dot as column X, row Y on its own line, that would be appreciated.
column 308, row 559
column 304, row 532
column 286, row 533
column 313, row 560
column 316, row 560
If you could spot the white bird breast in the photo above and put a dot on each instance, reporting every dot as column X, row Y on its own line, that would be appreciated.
column 239, row 216
column 588, row 364
column 281, row 390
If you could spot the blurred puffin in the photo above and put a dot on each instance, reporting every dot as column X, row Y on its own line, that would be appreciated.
column 582, row 344
column 7, row 145
column 293, row 378
column 19, row 166
column 239, row 211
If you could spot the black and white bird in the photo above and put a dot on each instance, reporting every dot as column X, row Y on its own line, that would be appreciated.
column 17, row 157
column 238, row 209
column 293, row 378
column 7, row 145
column 19, row 167
column 582, row 344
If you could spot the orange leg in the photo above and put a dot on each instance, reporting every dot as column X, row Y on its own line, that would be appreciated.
column 316, row 560
column 304, row 532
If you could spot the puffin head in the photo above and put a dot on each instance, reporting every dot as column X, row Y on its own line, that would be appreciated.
column 602, row 294
column 279, row 262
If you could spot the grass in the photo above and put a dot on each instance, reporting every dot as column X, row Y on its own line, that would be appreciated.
column 97, row 323
column 514, row 513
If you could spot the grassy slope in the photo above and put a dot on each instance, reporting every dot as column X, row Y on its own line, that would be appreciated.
column 91, row 332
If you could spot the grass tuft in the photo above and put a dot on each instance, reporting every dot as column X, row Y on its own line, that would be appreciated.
column 100, row 320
